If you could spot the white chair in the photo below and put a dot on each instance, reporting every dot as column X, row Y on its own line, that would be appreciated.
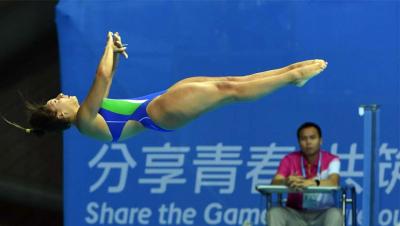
column 347, row 197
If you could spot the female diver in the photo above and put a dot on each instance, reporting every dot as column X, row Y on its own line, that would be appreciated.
column 117, row 119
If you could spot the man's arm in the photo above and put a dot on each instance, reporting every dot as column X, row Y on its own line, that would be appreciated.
column 278, row 180
column 332, row 180
column 285, row 175
column 333, row 175
column 292, row 181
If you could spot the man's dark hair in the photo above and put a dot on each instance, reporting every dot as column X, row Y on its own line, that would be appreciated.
column 307, row 125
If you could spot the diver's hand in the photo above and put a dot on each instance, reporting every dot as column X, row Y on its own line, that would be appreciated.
column 118, row 46
column 110, row 41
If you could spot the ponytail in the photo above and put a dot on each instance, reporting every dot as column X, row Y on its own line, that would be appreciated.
column 37, row 132
column 42, row 120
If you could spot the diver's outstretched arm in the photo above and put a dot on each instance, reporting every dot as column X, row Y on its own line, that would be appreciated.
column 101, row 84
column 118, row 49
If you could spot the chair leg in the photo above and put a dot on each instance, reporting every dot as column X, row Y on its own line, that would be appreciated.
column 269, row 201
column 344, row 207
column 353, row 207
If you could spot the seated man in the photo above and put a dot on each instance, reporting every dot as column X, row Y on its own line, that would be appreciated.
column 310, row 166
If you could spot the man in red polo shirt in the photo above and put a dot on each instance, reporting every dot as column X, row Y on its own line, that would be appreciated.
column 310, row 166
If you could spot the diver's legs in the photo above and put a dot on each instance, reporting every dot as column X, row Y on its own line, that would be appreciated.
column 247, row 77
column 183, row 103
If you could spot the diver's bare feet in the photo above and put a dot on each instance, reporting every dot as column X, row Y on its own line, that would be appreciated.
column 280, row 71
column 303, row 74
column 300, row 64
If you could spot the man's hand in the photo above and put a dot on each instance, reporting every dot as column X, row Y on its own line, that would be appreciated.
column 295, row 182
column 299, row 182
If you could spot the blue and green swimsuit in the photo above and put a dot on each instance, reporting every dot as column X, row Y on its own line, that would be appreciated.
column 116, row 112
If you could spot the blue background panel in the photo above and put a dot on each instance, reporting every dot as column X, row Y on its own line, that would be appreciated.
column 172, row 40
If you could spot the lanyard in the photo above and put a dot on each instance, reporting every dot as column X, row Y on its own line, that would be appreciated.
column 303, row 170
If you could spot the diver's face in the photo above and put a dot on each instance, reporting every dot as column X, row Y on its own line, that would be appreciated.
column 310, row 141
column 64, row 106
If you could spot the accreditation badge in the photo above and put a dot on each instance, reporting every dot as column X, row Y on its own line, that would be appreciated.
column 311, row 200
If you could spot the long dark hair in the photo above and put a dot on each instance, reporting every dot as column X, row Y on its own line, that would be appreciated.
column 42, row 120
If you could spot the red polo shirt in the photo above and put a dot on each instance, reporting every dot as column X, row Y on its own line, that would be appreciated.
column 291, row 165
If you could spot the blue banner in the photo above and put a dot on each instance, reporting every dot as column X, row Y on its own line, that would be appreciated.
column 205, row 173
